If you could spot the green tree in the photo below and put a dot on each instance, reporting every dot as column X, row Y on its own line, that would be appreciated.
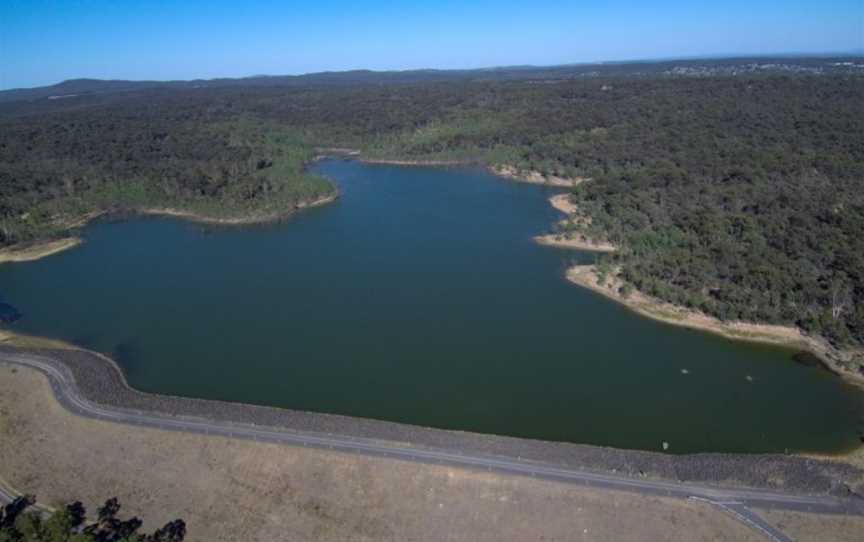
column 70, row 524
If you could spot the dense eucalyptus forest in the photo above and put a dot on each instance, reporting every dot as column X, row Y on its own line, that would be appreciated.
column 741, row 196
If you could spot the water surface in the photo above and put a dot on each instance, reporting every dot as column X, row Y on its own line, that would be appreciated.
column 418, row 297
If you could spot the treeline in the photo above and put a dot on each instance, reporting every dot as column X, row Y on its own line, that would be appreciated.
column 740, row 196
column 71, row 524
column 54, row 169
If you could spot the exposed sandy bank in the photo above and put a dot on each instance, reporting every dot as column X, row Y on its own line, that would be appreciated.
column 414, row 162
column 571, row 239
column 587, row 276
column 246, row 220
column 562, row 203
column 38, row 250
column 335, row 151
column 35, row 251
column 510, row 172
column 535, row 177
column 580, row 242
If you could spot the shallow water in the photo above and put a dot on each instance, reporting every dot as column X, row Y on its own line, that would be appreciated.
column 419, row 297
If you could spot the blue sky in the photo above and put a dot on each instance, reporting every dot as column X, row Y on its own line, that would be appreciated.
column 44, row 42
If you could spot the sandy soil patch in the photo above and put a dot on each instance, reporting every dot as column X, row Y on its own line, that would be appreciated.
column 535, row 177
column 576, row 242
column 257, row 219
column 37, row 251
column 239, row 490
column 562, row 203
column 414, row 162
column 571, row 239
column 336, row 151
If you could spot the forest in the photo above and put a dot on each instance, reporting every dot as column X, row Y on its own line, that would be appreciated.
column 740, row 196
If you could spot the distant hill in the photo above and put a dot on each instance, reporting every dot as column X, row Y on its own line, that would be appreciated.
column 75, row 88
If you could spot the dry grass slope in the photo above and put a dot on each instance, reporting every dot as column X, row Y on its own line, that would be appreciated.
column 238, row 490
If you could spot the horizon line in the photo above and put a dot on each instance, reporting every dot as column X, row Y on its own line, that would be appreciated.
column 853, row 53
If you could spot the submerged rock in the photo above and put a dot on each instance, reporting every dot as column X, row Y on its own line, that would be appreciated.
column 810, row 360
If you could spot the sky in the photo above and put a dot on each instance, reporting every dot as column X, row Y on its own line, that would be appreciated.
column 44, row 42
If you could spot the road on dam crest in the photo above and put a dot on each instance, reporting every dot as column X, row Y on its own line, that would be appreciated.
column 736, row 502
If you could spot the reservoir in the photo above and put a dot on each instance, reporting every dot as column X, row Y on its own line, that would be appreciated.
column 418, row 297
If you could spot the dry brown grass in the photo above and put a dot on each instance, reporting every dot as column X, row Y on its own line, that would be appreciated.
column 239, row 490
column 815, row 527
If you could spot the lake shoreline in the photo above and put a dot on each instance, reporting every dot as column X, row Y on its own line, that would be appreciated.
column 839, row 362
column 538, row 222
column 36, row 250
column 581, row 243
column 100, row 380
column 504, row 171
column 565, row 239
column 238, row 221
column 535, row 177
column 587, row 276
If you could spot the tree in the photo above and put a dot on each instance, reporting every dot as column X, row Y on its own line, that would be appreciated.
column 841, row 297
column 69, row 524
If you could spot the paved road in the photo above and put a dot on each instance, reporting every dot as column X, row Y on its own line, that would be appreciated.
column 743, row 514
column 734, row 501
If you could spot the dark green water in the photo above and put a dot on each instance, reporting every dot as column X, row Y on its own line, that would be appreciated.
column 418, row 297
